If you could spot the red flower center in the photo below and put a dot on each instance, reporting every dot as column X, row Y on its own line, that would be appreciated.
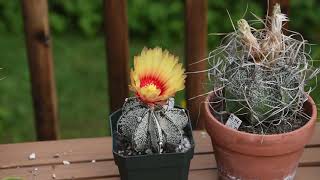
column 148, row 80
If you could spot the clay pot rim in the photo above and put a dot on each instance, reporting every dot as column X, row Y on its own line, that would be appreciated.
column 242, row 133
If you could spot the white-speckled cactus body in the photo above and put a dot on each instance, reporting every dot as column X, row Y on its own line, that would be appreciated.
column 151, row 127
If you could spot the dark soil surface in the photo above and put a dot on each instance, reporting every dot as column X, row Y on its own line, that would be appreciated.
column 283, row 127
column 125, row 148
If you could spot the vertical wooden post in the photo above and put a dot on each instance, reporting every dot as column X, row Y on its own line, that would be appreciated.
column 285, row 6
column 196, row 50
column 38, row 42
column 117, row 48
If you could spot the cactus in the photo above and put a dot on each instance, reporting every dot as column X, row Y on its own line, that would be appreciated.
column 151, row 128
column 263, row 74
column 149, row 121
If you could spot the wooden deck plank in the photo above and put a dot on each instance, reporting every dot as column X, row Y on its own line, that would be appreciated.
column 80, row 150
column 311, row 157
column 85, row 150
column 306, row 173
column 72, row 150
column 89, row 169
column 208, row 174
column 315, row 140
column 108, row 168
column 99, row 171
column 14, row 159
column 72, row 171
column 303, row 173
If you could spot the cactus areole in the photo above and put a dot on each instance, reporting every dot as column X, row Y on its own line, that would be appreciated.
column 152, row 138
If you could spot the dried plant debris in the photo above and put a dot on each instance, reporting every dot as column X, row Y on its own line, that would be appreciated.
column 260, row 75
column 32, row 156
column 64, row 162
column 143, row 129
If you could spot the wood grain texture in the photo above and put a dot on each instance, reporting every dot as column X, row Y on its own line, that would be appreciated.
column 315, row 140
column 117, row 48
column 86, row 150
column 38, row 42
column 196, row 50
column 80, row 153
column 202, row 167
column 304, row 173
column 75, row 151
column 95, row 171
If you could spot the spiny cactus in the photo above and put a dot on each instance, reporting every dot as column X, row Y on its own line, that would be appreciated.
column 149, row 121
column 263, row 74
column 151, row 128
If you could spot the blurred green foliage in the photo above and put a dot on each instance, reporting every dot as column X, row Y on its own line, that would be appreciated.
column 79, row 54
column 154, row 21
column 12, row 178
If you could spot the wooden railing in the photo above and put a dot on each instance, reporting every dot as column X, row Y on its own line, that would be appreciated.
column 38, row 42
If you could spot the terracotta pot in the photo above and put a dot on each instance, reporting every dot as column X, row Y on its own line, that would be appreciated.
column 246, row 156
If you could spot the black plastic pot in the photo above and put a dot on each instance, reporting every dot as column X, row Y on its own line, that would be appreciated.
column 168, row 166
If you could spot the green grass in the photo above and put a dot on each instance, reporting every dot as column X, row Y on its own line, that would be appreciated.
column 81, row 81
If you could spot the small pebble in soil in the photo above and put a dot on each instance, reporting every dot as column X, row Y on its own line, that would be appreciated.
column 66, row 162
column 54, row 176
column 148, row 151
column 32, row 156
column 186, row 143
column 93, row 161
column 184, row 146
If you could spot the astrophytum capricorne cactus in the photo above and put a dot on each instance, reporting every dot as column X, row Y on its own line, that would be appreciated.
column 151, row 128
column 150, row 121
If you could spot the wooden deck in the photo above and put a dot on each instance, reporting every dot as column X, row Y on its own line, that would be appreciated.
column 92, row 159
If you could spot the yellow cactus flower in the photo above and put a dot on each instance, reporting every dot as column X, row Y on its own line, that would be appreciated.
column 157, row 75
